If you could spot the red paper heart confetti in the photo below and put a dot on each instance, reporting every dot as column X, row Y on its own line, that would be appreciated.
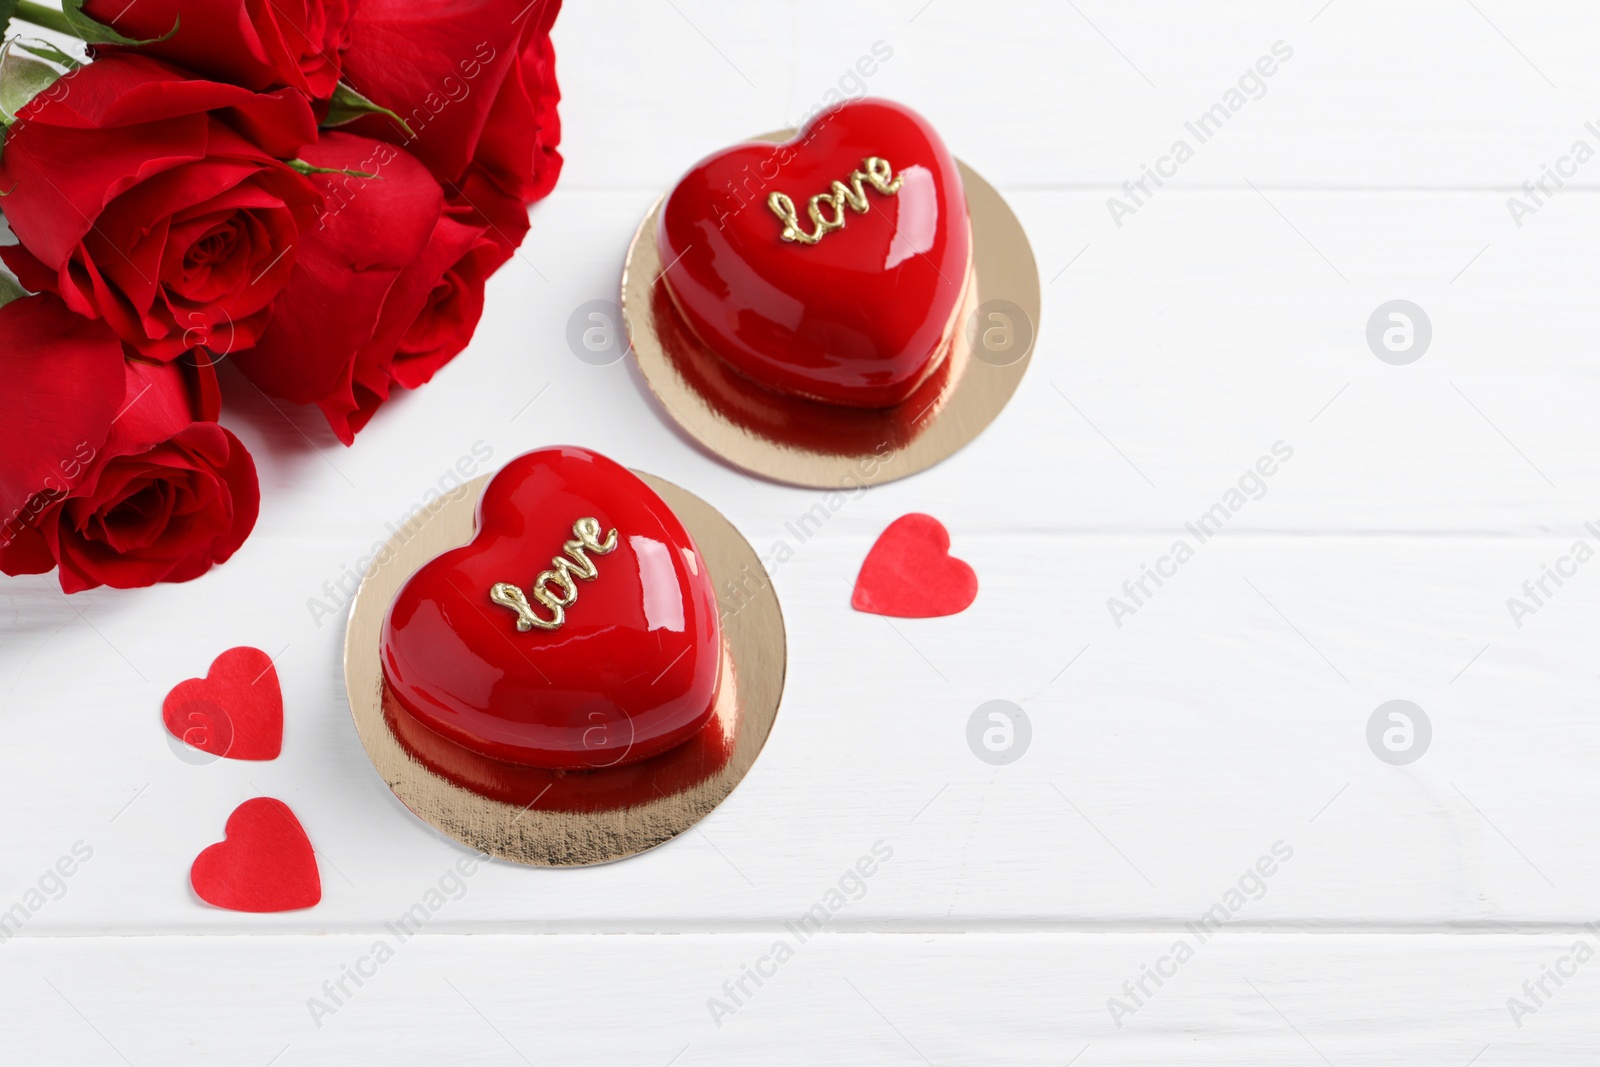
column 236, row 710
column 263, row 863
column 910, row 573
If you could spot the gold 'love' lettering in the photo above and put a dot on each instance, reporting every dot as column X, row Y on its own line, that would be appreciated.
column 875, row 171
column 555, row 588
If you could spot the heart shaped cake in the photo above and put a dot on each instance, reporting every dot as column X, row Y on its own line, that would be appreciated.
column 830, row 266
column 578, row 628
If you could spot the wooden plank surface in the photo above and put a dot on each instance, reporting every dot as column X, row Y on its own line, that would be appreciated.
column 867, row 998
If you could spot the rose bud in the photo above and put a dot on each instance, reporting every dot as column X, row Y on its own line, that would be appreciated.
column 112, row 470
column 157, row 202
column 476, row 85
column 389, row 288
column 259, row 44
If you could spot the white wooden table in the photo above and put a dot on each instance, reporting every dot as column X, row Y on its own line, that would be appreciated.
column 1227, row 715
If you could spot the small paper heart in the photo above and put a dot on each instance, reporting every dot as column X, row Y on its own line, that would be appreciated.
column 910, row 573
column 235, row 711
column 264, row 862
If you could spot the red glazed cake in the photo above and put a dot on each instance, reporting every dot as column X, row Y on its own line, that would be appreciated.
column 830, row 266
column 578, row 629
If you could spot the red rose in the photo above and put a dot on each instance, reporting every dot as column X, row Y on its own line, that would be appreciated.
column 517, row 151
column 478, row 202
column 154, row 201
column 450, row 314
column 388, row 289
column 63, row 385
column 259, row 44
column 111, row 469
column 475, row 80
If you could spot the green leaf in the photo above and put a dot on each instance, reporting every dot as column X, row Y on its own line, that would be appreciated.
column 93, row 32
column 28, row 68
column 347, row 105
column 8, row 8
column 308, row 169
column 10, row 288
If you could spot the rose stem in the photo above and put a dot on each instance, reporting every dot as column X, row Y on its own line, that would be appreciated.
column 48, row 17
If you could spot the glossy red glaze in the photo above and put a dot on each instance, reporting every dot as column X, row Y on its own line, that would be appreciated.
column 632, row 671
column 680, row 768
column 861, row 317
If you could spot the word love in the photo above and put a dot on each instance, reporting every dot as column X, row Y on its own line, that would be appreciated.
column 875, row 172
column 555, row 588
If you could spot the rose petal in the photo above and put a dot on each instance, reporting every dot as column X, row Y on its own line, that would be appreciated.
column 63, row 380
column 335, row 302
column 255, row 43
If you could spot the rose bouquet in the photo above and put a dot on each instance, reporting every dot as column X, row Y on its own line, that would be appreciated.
column 316, row 190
